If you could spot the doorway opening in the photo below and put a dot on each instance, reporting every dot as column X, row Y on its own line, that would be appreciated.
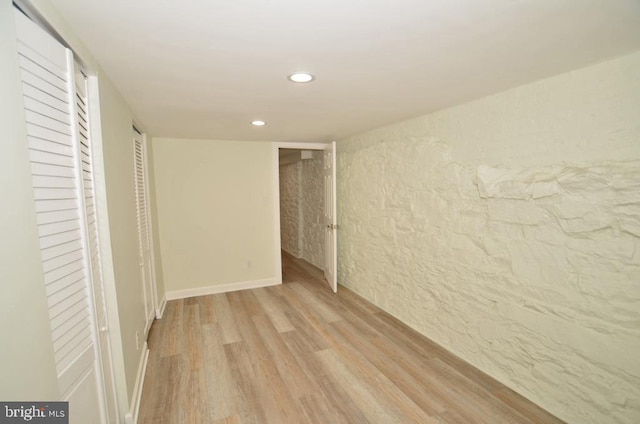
column 301, row 211
column 306, row 212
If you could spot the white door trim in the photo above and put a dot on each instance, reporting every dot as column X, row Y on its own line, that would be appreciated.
column 276, row 146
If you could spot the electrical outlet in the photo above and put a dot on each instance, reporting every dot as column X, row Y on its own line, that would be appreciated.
column 249, row 264
column 137, row 340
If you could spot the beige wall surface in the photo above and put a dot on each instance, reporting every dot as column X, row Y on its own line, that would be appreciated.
column 28, row 367
column 117, row 143
column 507, row 230
column 215, row 211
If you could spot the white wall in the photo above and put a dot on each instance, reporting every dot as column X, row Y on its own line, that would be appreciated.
column 507, row 230
column 312, row 209
column 215, row 212
column 28, row 369
column 290, row 211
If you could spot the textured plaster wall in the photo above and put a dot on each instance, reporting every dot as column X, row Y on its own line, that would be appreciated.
column 290, row 215
column 312, row 207
column 508, row 230
column 301, row 209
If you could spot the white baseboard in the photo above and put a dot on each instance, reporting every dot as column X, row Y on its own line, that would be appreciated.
column 132, row 415
column 160, row 309
column 221, row 288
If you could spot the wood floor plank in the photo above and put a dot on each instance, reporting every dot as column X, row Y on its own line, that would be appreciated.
column 235, row 419
column 192, row 333
column 367, row 392
column 298, row 353
column 227, row 323
column 331, row 393
column 405, row 378
column 207, row 309
column 525, row 407
column 273, row 307
column 277, row 403
column 221, row 387
column 294, row 377
column 327, row 313
column 249, row 402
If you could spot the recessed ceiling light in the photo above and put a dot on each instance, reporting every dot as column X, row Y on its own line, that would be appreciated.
column 258, row 123
column 301, row 77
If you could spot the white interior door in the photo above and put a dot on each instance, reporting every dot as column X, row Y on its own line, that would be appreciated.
column 57, row 165
column 330, row 217
column 144, row 243
column 101, row 318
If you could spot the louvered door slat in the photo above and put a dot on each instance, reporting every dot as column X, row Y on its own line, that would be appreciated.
column 72, row 349
column 55, row 77
column 42, row 145
column 52, row 158
column 72, row 321
column 47, row 122
column 69, row 317
column 36, row 82
column 33, row 93
column 46, row 169
column 53, row 182
column 61, row 249
column 62, row 260
column 42, row 108
column 63, row 276
column 48, row 217
column 58, row 227
column 78, row 298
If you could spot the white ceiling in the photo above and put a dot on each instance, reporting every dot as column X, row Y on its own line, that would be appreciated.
column 206, row 68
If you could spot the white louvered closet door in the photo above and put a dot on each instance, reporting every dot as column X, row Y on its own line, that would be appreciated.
column 48, row 87
column 100, row 308
column 144, row 234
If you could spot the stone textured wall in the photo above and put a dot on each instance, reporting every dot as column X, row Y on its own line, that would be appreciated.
column 312, row 206
column 301, row 209
column 290, row 212
column 508, row 231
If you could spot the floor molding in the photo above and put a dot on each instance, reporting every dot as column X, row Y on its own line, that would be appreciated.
column 132, row 415
column 221, row 288
column 161, row 307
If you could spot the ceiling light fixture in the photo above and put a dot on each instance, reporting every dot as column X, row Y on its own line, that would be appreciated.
column 301, row 77
column 258, row 123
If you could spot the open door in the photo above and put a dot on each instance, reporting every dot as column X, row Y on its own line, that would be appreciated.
column 330, row 217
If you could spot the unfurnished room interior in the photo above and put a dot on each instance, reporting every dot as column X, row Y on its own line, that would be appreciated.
column 355, row 211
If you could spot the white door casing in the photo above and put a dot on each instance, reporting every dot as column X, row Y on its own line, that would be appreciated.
column 330, row 217
column 144, row 231
column 63, row 198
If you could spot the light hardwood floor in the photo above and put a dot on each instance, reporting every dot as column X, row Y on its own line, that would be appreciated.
column 297, row 353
